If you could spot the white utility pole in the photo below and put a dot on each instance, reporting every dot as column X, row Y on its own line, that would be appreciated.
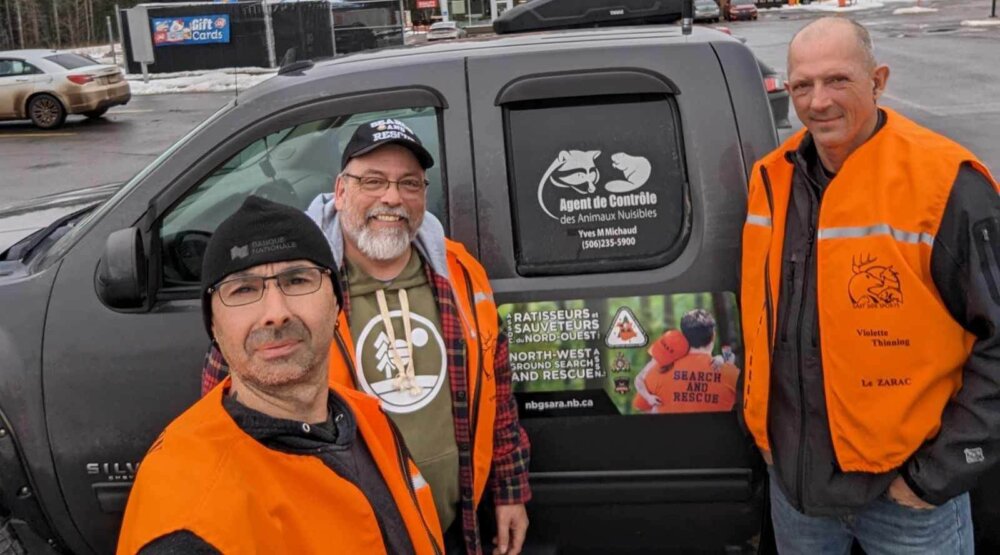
column 55, row 18
column 269, row 34
column 111, row 38
column 20, row 24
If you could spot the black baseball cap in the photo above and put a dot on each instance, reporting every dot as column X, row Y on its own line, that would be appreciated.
column 372, row 135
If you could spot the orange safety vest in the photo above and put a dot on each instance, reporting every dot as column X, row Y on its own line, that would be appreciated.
column 206, row 475
column 692, row 385
column 478, row 311
column 892, row 354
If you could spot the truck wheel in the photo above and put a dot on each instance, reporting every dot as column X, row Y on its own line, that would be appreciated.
column 9, row 544
column 46, row 112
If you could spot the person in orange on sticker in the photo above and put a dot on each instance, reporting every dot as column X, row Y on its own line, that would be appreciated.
column 689, row 378
column 664, row 352
column 626, row 331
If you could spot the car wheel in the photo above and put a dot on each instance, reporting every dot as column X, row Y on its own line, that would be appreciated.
column 94, row 114
column 46, row 112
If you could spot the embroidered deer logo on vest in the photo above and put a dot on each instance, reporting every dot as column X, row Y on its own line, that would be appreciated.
column 873, row 285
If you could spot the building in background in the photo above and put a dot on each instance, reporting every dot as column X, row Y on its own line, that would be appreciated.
column 260, row 33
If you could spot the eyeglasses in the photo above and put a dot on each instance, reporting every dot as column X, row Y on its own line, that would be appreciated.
column 250, row 289
column 374, row 185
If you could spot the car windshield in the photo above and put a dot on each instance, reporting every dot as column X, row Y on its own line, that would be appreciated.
column 71, row 61
column 743, row 2
column 443, row 26
column 705, row 3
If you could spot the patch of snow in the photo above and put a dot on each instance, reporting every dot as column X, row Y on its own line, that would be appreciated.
column 220, row 80
column 834, row 6
column 981, row 23
column 913, row 10
column 101, row 53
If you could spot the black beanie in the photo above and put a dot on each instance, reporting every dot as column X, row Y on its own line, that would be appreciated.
column 262, row 232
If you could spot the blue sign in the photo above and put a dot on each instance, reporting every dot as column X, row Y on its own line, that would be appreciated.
column 199, row 29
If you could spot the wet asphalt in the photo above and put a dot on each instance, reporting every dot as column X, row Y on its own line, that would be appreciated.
column 944, row 75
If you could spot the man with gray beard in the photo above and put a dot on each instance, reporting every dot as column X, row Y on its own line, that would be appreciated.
column 420, row 321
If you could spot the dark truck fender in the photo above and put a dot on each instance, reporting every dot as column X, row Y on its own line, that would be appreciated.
column 30, row 496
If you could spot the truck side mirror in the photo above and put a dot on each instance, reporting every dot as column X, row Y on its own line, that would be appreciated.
column 121, row 273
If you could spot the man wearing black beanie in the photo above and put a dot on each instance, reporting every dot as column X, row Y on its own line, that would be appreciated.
column 421, row 324
column 276, row 459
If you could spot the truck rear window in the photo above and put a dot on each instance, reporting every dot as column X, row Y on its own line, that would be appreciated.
column 597, row 183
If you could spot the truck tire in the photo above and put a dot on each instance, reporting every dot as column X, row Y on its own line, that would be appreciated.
column 9, row 544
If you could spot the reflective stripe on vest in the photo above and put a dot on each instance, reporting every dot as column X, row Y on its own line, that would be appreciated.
column 892, row 354
column 912, row 237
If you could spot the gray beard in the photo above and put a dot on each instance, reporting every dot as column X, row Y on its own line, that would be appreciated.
column 382, row 246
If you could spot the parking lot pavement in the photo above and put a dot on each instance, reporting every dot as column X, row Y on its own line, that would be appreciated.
column 942, row 74
column 84, row 153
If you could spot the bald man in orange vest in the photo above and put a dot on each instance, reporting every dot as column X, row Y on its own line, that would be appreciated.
column 871, row 312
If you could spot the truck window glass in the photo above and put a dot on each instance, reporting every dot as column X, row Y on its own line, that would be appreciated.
column 292, row 166
column 600, row 178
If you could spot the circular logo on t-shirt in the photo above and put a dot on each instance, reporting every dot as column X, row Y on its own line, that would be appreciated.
column 375, row 368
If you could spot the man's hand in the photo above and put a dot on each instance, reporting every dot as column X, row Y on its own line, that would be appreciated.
column 901, row 494
column 512, row 526
column 653, row 400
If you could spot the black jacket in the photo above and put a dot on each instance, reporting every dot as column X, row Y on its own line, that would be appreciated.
column 965, row 270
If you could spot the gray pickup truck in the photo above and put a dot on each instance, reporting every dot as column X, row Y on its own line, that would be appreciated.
column 599, row 175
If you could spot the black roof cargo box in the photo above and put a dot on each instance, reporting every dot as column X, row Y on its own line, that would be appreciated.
column 540, row 15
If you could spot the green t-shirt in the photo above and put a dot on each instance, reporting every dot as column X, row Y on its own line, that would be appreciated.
column 424, row 418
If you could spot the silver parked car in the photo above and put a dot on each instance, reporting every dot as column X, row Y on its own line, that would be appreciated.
column 706, row 10
column 445, row 30
column 47, row 85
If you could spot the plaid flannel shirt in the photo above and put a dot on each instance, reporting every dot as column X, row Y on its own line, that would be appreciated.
column 508, row 480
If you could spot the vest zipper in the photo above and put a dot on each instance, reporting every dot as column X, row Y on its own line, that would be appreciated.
column 402, row 456
column 788, row 301
column 810, row 261
column 987, row 256
column 801, row 358
column 348, row 359
column 768, row 301
column 474, row 403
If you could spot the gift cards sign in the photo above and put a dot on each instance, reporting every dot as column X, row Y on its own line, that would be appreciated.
column 181, row 31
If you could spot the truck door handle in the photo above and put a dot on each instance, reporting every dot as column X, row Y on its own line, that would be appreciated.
column 22, row 80
column 111, row 497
